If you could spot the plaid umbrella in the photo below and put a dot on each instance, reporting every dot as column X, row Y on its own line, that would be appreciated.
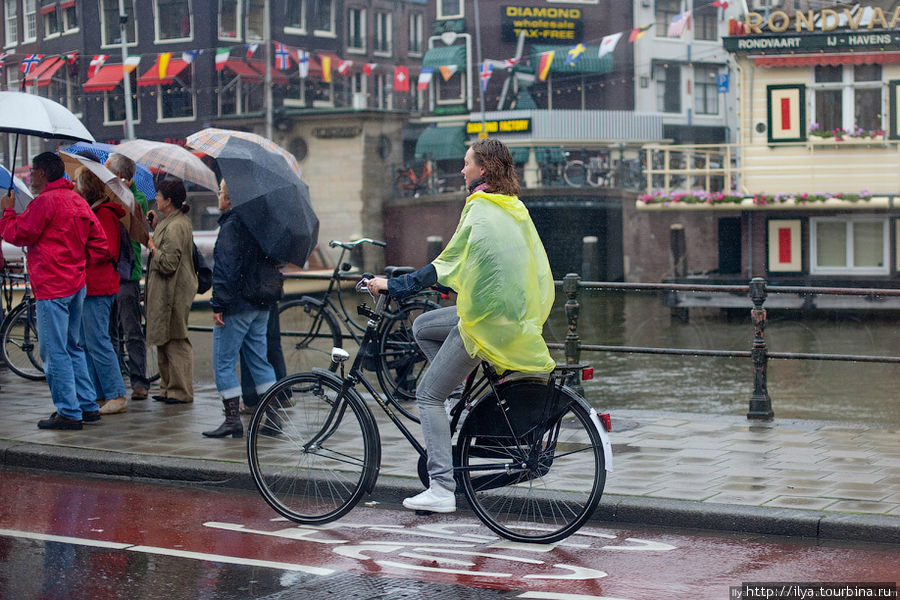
column 143, row 178
column 173, row 159
column 212, row 141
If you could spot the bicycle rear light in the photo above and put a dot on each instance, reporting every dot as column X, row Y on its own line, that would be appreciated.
column 587, row 373
column 606, row 420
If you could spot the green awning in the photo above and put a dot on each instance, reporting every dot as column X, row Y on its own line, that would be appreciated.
column 441, row 143
column 446, row 55
column 587, row 63
column 519, row 155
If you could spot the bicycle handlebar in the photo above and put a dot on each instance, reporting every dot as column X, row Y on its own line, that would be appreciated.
column 355, row 243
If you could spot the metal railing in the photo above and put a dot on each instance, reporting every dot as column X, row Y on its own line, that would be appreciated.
column 760, row 405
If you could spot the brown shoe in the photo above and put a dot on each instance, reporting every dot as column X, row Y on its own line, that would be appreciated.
column 116, row 405
column 139, row 392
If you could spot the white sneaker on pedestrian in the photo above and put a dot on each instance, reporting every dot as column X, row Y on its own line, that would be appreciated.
column 434, row 499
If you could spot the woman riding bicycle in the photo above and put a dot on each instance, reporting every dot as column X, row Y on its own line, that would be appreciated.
column 498, row 267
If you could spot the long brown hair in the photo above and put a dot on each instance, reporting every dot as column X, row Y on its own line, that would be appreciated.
column 494, row 157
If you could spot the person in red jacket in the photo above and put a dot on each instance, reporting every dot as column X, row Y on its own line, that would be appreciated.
column 62, row 237
column 102, row 287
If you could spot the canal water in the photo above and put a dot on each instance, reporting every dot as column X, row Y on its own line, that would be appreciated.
column 849, row 392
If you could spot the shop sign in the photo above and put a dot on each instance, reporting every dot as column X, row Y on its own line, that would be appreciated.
column 336, row 132
column 836, row 42
column 500, row 126
column 541, row 23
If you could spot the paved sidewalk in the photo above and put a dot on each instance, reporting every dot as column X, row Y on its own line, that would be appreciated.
column 816, row 479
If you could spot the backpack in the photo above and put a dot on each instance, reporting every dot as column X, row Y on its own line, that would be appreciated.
column 125, row 263
column 263, row 285
column 204, row 273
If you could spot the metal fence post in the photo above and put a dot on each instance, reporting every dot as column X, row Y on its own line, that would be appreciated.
column 760, row 403
column 573, row 341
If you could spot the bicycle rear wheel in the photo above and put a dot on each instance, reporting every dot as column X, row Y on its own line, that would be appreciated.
column 400, row 362
column 535, row 471
column 575, row 173
column 308, row 333
column 312, row 453
column 20, row 342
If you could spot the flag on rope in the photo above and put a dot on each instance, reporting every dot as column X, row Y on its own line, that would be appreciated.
column 720, row 4
column 31, row 61
column 608, row 44
column 638, row 32
column 401, row 79
column 448, row 71
column 70, row 57
column 326, row 68
column 302, row 59
column 425, row 78
column 222, row 56
column 251, row 50
column 188, row 56
column 369, row 67
column 544, row 65
column 679, row 24
column 574, row 54
column 487, row 70
column 131, row 63
column 96, row 63
column 163, row 62
column 344, row 67
column 282, row 57
column 509, row 63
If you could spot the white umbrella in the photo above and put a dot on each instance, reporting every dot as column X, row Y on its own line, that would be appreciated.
column 171, row 158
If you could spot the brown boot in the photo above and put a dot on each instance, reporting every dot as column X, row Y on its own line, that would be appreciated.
column 232, row 425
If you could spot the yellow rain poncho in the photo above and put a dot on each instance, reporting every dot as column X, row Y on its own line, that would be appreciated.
column 496, row 263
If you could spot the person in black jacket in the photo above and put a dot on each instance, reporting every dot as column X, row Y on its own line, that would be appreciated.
column 244, row 282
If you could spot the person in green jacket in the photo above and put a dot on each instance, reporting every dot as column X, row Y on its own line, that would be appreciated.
column 127, row 310
column 497, row 265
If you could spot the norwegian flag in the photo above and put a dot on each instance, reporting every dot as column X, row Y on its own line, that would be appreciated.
column 96, row 63
column 30, row 62
column 282, row 57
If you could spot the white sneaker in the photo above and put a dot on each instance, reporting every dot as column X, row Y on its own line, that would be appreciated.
column 434, row 499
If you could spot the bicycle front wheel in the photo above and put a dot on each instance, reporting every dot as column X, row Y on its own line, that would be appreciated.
column 308, row 333
column 313, row 452
column 534, row 471
column 20, row 342
column 575, row 173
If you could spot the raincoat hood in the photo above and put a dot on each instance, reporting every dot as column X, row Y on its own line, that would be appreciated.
column 497, row 264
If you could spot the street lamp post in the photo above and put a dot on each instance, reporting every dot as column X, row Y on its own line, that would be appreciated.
column 126, row 77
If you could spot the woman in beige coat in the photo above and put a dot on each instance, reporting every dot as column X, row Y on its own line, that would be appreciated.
column 171, row 286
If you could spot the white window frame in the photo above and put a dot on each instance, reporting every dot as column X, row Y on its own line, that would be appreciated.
column 705, row 69
column 303, row 18
column 120, row 89
column 156, row 30
column 47, row 21
column 259, row 36
column 10, row 23
column 104, row 43
column 299, row 101
column 327, row 101
column 384, row 38
column 242, row 89
column 160, row 92
column 439, row 84
column 848, row 99
column 660, row 82
column 458, row 15
column 238, row 6
column 331, row 32
column 68, row 27
column 384, row 97
column 849, row 269
column 416, row 34
column 29, row 22
column 361, row 49
column 63, row 77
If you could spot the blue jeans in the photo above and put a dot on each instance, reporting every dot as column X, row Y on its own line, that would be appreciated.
column 102, row 363
column 244, row 334
column 437, row 334
column 62, row 351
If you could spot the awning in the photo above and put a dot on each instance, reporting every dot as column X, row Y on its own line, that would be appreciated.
column 46, row 10
column 105, row 79
column 254, row 71
column 440, row 143
column 811, row 60
column 519, row 155
column 445, row 55
column 151, row 75
column 44, row 72
column 587, row 63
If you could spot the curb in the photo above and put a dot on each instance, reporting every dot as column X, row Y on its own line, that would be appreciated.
column 613, row 509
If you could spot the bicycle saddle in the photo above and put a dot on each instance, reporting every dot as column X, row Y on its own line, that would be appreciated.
column 397, row 271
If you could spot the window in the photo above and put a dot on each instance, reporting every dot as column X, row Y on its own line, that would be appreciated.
column 323, row 18
column 62, row 88
column 109, row 15
column 449, row 9
column 114, row 103
column 11, row 22
column 356, row 30
column 70, row 18
column 843, row 245
column 173, row 19
column 665, row 12
column 416, row 32
column 383, row 43
column 236, row 95
column 668, row 87
column 51, row 23
column 705, row 21
column 229, row 25
column 848, row 97
column 30, row 23
column 452, row 91
column 295, row 16
column 383, row 96
column 176, row 100
column 323, row 94
column 358, row 89
column 255, row 19
column 706, row 90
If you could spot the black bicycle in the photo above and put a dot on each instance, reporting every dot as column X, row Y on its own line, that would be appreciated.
column 530, row 455
column 18, row 331
column 312, row 326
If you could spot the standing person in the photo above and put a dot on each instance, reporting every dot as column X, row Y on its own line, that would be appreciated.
column 102, row 287
column 245, row 284
column 496, row 263
column 126, row 315
column 62, row 236
column 171, row 286
column 275, row 356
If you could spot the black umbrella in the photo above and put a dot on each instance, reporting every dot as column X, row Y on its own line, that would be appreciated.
column 270, row 199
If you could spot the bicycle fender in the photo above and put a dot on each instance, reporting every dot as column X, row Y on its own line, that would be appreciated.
column 595, row 419
column 314, row 301
column 336, row 379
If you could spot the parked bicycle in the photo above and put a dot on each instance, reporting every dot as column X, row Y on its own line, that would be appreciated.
column 530, row 456
column 596, row 173
column 18, row 331
column 409, row 183
column 312, row 326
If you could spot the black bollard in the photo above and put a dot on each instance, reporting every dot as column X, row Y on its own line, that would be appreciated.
column 590, row 251
column 760, row 403
column 435, row 244
column 573, row 341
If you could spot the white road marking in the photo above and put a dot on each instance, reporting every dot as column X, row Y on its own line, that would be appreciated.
column 44, row 537
column 555, row 596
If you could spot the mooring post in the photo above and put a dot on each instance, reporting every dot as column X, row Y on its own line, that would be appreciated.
column 573, row 342
column 760, row 403
column 433, row 246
